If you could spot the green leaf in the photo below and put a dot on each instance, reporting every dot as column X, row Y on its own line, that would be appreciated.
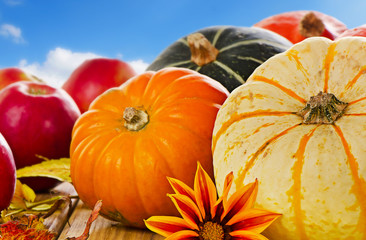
column 43, row 207
column 53, row 168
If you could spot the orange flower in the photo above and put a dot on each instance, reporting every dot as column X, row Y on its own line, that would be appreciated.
column 204, row 217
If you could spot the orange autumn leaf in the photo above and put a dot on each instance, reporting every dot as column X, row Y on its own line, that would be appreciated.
column 206, row 217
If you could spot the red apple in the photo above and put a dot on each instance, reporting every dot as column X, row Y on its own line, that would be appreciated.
column 95, row 76
column 11, row 75
column 37, row 119
column 7, row 174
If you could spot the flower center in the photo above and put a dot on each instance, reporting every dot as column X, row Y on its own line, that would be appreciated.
column 211, row 231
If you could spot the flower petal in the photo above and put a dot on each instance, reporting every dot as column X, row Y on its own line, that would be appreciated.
column 227, row 185
column 188, row 209
column 217, row 210
column 242, row 199
column 166, row 225
column 180, row 187
column 205, row 191
column 255, row 220
column 183, row 235
column 246, row 235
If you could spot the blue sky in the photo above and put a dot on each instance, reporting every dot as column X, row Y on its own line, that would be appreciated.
column 51, row 38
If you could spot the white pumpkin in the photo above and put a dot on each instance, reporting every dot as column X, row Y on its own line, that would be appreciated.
column 298, row 125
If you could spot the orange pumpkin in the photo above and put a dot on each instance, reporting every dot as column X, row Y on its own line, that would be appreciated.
column 155, row 125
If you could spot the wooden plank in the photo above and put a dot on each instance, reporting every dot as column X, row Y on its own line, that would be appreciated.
column 57, row 220
column 102, row 228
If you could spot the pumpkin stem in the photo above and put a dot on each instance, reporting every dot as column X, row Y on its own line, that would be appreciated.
column 323, row 108
column 202, row 51
column 135, row 119
column 311, row 26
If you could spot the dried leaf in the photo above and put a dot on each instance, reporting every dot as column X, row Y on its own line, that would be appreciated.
column 53, row 168
column 26, row 227
column 93, row 216
column 23, row 202
column 57, row 204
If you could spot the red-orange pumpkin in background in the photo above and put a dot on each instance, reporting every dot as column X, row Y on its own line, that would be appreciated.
column 299, row 25
column 359, row 31
column 155, row 125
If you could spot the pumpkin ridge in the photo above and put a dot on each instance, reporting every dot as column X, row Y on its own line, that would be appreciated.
column 178, row 64
column 356, row 101
column 138, row 189
column 351, row 83
column 135, row 176
column 327, row 62
column 229, row 70
column 161, row 153
column 156, row 106
column 293, row 55
column 238, row 117
column 251, row 160
column 250, row 59
column 96, row 168
column 90, row 140
column 251, row 41
column 156, row 101
column 162, row 107
column 183, row 40
column 279, row 86
column 217, row 36
column 75, row 165
column 359, row 186
column 180, row 126
column 295, row 190
column 198, row 68
column 354, row 114
column 233, row 145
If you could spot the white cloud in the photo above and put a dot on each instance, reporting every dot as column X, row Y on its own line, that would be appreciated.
column 11, row 31
column 13, row 2
column 139, row 65
column 60, row 63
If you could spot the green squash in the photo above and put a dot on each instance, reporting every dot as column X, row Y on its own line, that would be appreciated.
column 227, row 54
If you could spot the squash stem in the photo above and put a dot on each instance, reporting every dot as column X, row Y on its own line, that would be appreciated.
column 202, row 51
column 311, row 26
column 135, row 119
column 323, row 108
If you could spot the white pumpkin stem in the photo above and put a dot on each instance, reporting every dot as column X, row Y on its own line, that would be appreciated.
column 323, row 108
column 311, row 26
column 202, row 51
column 135, row 119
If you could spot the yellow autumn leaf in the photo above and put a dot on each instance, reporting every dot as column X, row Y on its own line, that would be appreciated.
column 53, row 168
column 23, row 194
column 28, row 193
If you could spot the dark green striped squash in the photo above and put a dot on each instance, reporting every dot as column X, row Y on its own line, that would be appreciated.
column 227, row 54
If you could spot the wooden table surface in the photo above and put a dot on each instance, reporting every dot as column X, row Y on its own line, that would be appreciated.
column 101, row 229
